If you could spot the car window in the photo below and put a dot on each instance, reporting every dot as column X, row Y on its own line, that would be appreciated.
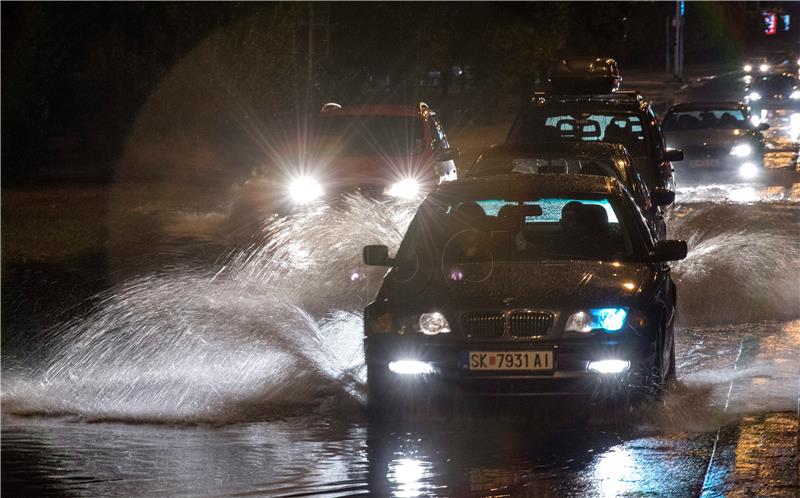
column 372, row 135
column 704, row 119
column 493, row 228
column 549, row 126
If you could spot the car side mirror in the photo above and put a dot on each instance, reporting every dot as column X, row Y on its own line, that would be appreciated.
column 450, row 154
column 377, row 255
column 762, row 126
column 672, row 155
column 663, row 197
column 670, row 250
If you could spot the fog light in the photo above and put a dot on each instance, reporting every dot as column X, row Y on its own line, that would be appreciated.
column 410, row 367
column 609, row 366
column 748, row 170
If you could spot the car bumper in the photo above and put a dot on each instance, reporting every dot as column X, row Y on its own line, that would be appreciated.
column 451, row 374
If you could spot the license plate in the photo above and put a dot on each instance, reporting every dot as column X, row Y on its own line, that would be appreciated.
column 510, row 360
column 706, row 163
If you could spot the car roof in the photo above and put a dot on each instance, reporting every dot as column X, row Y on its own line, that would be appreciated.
column 374, row 110
column 544, row 184
column 688, row 106
column 570, row 148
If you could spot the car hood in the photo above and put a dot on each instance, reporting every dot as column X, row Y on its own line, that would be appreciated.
column 711, row 138
column 370, row 170
column 549, row 284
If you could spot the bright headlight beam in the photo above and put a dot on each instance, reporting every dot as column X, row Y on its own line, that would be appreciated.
column 795, row 95
column 748, row 170
column 741, row 150
column 748, row 68
column 405, row 189
column 609, row 366
column 755, row 96
column 305, row 189
column 410, row 367
column 763, row 68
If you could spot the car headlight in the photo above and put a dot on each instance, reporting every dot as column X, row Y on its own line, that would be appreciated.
column 763, row 68
column 433, row 323
column 608, row 319
column 406, row 189
column 748, row 68
column 754, row 96
column 741, row 150
column 305, row 189
column 748, row 170
column 795, row 95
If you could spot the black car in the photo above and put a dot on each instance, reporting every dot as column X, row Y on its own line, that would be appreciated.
column 623, row 118
column 717, row 139
column 522, row 285
column 587, row 158
column 773, row 91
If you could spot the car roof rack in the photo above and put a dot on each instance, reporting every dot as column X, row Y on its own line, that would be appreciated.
column 329, row 106
column 633, row 95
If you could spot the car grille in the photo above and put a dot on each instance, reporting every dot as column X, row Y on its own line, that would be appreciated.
column 530, row 323
column 700, row 152
column 493, row 324
column 484, row 324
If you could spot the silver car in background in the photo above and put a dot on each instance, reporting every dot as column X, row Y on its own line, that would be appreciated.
column 719, row 140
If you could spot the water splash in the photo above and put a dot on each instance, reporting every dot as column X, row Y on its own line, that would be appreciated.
column 277, row 327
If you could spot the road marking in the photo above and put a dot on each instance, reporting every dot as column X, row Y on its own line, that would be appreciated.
column 725, row 410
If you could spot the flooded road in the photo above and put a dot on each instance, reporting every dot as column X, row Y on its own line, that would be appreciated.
column 237, row 370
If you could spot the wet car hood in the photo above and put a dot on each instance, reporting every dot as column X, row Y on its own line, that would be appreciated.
column 550, row 284
column 711, row 137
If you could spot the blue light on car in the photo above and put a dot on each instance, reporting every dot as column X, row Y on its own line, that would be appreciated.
column 610, row 319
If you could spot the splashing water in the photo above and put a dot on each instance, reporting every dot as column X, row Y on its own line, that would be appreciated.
column 276, row 327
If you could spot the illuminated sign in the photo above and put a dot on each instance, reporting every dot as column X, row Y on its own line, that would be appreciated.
column 770, row 22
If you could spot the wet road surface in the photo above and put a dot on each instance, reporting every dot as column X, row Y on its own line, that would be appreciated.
column 242, row 380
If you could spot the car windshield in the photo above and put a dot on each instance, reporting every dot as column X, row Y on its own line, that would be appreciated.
column 773, row 84
column 551, row 126
column 480, row 229
column 372, row 135
column 704, row 119
column 500, row 165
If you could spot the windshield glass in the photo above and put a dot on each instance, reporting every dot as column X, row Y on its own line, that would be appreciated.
column 725, row 119
column 552, row 126
column 372, row 135
column 493, row 229
column 773, row 84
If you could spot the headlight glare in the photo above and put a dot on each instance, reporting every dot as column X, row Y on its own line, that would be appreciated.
column 748, row 170
column 410, row 367
column 763, row 68
column 755, row 96
column 305, row 189
column 741, row 150
column 433, row 323
column 608, row 319
column 406, row 189
column 795, row 95
column 748, row 68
